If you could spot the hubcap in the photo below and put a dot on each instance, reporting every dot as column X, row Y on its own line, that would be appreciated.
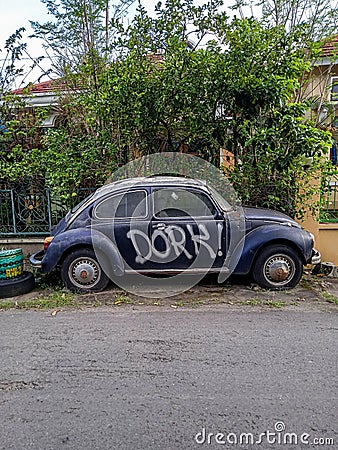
column 279, row 269
column 84, row 272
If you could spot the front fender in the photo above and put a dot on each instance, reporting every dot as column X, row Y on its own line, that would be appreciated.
column 105, row 249
column 273, row 234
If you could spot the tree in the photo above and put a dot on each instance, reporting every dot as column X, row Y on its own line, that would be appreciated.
column 143, row 101
column 319, row 17
column 13, row 50
column 311, row 23
column 79, row 32
column 78, row 43
column 268, row 133
column 189, row 78
column 19, row 126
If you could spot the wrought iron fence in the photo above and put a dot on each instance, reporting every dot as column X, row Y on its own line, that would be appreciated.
column 33, row 212
column 329, row 198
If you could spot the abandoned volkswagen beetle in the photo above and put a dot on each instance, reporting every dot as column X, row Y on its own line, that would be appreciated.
column 167, row 225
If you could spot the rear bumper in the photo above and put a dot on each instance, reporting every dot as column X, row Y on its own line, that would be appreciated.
column 36, row 259
column 316, row 257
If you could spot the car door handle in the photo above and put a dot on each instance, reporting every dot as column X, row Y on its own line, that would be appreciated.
column 160, row 226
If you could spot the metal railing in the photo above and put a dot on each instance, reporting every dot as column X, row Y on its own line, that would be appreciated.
column 34, row 212
column 329, row 198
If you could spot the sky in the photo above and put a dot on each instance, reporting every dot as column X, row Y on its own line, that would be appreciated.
column 17, row 13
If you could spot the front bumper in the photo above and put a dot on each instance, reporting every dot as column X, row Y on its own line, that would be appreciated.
column 36, row 259
column 316, row 257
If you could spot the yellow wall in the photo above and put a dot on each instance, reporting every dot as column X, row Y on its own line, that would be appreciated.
column 319, row 81
column 326, row 234
column 326, row 238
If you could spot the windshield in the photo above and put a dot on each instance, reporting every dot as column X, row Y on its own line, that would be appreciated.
column 220, row 200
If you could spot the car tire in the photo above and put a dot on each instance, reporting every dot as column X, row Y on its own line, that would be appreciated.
column 13, row 287
column 278, row 267
column 81, row 272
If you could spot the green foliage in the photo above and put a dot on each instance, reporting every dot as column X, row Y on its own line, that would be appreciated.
column 79, row 30
column 85, row 160
column 330, row 298
column 20, row 146
column 268, row 133
column 57, row 299
column 186, row 79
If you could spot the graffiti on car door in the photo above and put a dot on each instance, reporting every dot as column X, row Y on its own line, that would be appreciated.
column 174, row 240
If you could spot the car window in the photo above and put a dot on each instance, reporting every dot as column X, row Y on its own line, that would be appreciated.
column 124, row 205
column 79, row 205
column 220, row 199
column 172, row 202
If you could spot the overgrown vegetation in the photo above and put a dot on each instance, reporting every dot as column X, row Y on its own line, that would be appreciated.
column 188, row 78
column 330, row 298
column 57, row 299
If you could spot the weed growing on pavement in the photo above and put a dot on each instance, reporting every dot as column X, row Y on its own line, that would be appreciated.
column 122, row 299
column 180, row 303
column 306, row 284
column 275, row 304
column 251, row 302
column 56, row 299
column 330, row 298
column 48, row 280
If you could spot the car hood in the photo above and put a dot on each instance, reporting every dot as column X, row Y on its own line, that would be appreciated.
column 268, row 215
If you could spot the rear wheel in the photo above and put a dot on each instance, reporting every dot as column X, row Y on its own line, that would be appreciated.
column 80, row 271
column 278, row 267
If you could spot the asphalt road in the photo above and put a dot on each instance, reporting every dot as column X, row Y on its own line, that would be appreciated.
column 164, row 378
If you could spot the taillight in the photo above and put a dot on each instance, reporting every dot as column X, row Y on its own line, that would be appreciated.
column 47, row 241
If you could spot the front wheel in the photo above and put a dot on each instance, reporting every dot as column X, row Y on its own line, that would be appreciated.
column 278, row 267
column 80, row 271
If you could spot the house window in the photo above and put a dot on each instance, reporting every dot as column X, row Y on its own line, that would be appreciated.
column 334, row 89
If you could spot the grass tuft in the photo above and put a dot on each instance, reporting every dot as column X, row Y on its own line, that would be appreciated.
column 57, row 299
column 330, row 298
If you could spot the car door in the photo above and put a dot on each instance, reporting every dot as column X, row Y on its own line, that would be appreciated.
column 186, row 231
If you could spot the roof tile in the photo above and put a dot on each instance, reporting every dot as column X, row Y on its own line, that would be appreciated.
column 330, row 48
column 40, row 88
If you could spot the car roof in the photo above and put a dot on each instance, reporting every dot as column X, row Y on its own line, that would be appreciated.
column 152, row 181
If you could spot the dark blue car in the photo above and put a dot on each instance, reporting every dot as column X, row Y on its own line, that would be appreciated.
column 172, row 225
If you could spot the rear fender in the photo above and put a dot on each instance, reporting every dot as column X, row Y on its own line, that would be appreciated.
column 108, row 255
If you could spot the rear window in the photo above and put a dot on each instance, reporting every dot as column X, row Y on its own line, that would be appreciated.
column 125, row 205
